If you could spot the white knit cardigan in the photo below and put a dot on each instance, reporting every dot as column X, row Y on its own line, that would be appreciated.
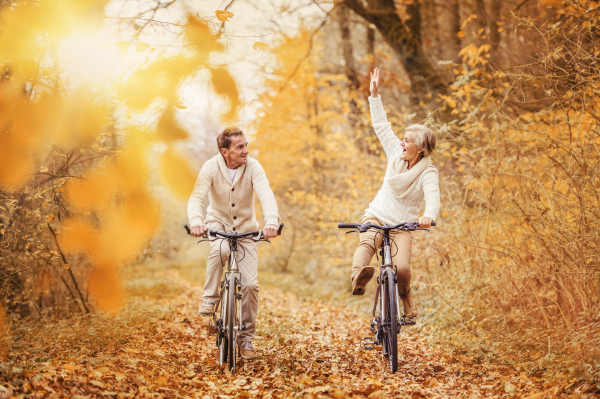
column 400, row 196
column 232, row 204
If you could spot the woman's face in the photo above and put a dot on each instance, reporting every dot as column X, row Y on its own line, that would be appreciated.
column 411, row 151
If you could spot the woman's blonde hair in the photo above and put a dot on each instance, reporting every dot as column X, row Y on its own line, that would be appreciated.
column 424, row 138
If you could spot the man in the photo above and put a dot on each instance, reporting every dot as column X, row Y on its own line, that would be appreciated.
column 230, row 179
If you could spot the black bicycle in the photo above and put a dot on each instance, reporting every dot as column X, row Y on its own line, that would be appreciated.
column 387, row 323
column 229, row 322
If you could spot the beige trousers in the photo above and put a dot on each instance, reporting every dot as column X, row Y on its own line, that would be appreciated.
column 400, row 248
column 247, row 257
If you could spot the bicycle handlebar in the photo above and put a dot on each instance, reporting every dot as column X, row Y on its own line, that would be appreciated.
column 215, row 233
column 365, row 227
column 348, row 225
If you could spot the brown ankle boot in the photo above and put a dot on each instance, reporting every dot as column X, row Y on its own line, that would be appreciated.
column 410, row 309
column 361, row 279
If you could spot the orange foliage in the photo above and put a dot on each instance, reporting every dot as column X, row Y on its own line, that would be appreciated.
column 112, row 213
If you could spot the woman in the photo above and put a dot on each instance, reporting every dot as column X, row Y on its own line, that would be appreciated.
column 410, row 177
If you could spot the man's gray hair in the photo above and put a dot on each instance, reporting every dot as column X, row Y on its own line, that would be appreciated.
column 224, row 139
column 424, row 138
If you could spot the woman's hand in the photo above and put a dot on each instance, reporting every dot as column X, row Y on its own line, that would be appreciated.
column 374, row 82
column 425, row 222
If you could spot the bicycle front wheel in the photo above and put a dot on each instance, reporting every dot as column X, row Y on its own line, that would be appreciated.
column 391, row 321
column 222, row 341
column 232, row 322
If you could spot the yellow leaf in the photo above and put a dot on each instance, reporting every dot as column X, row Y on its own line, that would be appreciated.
column 46, row 204
column 50, row 217
column 260, row 46
column 43, row 169
column 162, row 380
column 177, row 174
column 70, row 367
column 97, row 383
column 67, row 266
column 104, row 286
column 168, row 129
column 461, row 168
column 2, row 231
column 161, row 79
column 224, row 85
column 460, row 33
column 223, row 15
column 198, row 33
column 445, row 214
column 141, row 47
column 103, row 370
column 95, row 190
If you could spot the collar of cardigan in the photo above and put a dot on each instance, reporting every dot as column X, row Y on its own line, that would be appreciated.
column 225, row 172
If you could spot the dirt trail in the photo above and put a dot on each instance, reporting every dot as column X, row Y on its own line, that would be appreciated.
column 305, row 349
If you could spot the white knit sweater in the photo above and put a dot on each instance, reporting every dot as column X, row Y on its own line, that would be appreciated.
column 232, row 203
column 400, row 197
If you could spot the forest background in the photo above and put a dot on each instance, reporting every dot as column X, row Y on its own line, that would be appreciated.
column 95, row 173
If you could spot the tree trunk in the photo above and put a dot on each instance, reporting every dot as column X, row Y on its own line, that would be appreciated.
column 414, row 22
column 371, row 44
column 495, row 9
column 344, row 22
column 422, row 72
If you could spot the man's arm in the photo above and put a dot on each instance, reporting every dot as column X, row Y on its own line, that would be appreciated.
column 197, row 199
column 267, row 201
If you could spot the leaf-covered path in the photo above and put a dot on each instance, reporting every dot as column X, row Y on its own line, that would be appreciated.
column 306, row 349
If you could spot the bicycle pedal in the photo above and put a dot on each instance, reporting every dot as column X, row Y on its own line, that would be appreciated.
column 207, row 314
column 211, row 328
column 367, row 344
column 408, row 321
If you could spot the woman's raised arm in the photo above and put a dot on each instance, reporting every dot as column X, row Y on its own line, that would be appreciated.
column 383, row 129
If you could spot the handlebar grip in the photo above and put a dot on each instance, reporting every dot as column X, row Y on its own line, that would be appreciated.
column 187, row 229
column 346, row 225
column 433, row 222
column 280, row 229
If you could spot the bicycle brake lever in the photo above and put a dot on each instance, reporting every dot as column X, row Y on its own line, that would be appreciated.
column 352, row 231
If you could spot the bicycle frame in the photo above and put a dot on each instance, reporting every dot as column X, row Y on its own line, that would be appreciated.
column 386, row 263
column 232, row 274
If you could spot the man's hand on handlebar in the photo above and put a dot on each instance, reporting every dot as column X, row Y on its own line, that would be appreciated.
column 198, row 231
column 425, row 222
column 270, row 231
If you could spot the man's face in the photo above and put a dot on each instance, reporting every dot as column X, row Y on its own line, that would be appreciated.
column 237, row 153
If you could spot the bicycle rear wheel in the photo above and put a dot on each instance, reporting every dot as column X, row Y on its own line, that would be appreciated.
column 232, row 323
column 391, row 321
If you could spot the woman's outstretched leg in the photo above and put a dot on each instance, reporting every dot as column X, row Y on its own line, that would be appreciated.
column 362, row 273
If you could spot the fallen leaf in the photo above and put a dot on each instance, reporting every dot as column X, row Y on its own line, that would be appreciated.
column 97, row 383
